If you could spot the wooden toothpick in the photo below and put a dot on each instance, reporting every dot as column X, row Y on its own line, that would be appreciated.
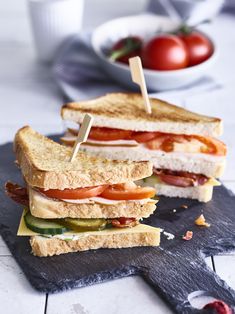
column 137, row 76
column 82, row 134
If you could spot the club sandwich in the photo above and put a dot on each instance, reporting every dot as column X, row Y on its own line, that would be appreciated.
column 86, row 204
column 182, row 145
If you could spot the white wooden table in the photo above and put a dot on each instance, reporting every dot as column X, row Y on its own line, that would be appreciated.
column 29, row 96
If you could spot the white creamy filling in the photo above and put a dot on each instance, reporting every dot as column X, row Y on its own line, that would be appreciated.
column 65, row 237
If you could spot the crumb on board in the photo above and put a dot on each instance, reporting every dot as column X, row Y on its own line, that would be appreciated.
column 184, row 206
column 188, row 235
column 201, row 221
column 169, row 235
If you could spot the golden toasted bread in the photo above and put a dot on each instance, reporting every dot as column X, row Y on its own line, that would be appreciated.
column 140, row 235
column 46, row 164
column 126, row 111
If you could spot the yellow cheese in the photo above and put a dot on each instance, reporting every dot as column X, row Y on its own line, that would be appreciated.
column 213, row 182
column 24, row 231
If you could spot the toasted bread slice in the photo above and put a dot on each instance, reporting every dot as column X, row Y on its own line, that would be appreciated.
column 209, row 165
column 126, row 111
column 45, row 164
column 44, row 207
column 202, row 193
column 140, row 235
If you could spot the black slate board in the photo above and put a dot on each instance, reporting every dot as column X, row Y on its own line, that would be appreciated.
column 174, row 270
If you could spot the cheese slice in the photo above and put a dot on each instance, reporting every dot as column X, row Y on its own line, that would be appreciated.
column 24, row 231
column 213, row 182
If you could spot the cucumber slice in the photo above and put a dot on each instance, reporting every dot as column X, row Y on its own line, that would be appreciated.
column 43, row 226
column 81, row 225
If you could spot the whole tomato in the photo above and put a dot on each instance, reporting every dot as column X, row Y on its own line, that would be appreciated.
column 126, row 48
column 165, row 52
column 199, row 46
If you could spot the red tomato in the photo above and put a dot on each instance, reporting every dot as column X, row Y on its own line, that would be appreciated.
column 165, row 142
column 121, row 192
column 73, row 194
column 199, row 47
column 214, row 146
column 165, row 52
column 108, row 134
column 126, row 48
column 142, row 137
column 218, row 306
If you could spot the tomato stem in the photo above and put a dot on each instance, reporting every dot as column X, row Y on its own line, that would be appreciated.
column 129, row 46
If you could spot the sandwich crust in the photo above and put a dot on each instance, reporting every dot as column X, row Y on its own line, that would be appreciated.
column 45, row 164
column 202, row 193
column 126, row 111
column 44, row 207
column 139, row 236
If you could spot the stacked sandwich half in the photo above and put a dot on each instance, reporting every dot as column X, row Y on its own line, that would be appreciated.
column 182, row 145
column 89, row 203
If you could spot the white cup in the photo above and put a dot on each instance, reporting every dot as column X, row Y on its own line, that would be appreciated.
column 52, row 22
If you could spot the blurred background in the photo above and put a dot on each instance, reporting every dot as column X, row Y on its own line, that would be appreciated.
column 34, row 89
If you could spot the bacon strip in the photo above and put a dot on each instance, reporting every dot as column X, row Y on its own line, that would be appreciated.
column 180, row 178
column 123, row 222
column 17, row 193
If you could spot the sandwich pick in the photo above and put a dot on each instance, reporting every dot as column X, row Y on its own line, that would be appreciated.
column 137, row 76
column 82, row 134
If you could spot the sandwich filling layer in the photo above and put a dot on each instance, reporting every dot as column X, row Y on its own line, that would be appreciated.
column 115, row 192
column 70, row 229
column 96, row 207
column 151, row 140
column 181, row 179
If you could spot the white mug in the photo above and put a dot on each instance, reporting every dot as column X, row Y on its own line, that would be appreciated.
column 52, row 22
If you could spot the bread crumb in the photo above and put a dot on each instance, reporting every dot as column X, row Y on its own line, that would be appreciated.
column 184, row 206
column 169, row 235
column 188, row 235
column 201, row 221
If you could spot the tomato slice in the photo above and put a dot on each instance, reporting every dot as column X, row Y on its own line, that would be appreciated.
column 108, row 134
column 142, row 137
column 214, row 146
column 166, row 142
column 123, row 192
column 73, row 194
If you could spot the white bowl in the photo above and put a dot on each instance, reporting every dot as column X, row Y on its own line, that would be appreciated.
column 145, row 26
